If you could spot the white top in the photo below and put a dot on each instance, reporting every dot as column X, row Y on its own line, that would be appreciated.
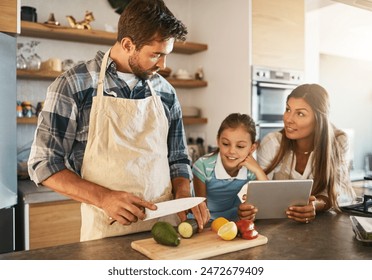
column 267, row 151
column 129, row 78
column 286, row 168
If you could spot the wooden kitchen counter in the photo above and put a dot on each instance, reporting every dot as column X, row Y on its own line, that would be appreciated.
column 329, row 236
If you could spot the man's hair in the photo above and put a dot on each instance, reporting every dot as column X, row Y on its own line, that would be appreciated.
column 144, row 21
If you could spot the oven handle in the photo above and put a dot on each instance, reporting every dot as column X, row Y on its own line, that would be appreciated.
column 269, row 85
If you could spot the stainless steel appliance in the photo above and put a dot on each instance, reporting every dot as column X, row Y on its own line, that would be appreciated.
column 8, row 149
column 270, row 88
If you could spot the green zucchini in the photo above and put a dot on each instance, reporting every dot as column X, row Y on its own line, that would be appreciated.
column 188, row 228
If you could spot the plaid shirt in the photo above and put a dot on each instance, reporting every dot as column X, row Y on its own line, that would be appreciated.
column 62, row 130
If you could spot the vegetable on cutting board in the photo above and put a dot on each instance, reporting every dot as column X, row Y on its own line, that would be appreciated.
column 164, row 233
column 188, row 228
column 247, row 229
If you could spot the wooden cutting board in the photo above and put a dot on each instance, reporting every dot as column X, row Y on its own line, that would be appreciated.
column 202, row 245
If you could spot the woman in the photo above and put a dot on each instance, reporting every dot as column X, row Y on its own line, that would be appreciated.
column 309, row 146
column 219, row 176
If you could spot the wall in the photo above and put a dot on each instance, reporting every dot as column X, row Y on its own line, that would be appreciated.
column 223, row 25
column 349, row 84
column 338, row 56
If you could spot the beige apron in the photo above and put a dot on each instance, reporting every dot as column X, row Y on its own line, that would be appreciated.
column 126, row 151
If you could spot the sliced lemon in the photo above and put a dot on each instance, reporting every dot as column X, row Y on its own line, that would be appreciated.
column 228, row 231
column 217, row 223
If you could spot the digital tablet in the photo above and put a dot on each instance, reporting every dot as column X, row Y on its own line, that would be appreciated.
column 272, row 198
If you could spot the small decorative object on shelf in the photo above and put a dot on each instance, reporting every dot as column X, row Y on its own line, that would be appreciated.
column 27, row 109
column 84, row 24
column 19, row 109
column 28, row 13
column 21, row 60
column 199, row 74
column 51, row 20
column 33, row 59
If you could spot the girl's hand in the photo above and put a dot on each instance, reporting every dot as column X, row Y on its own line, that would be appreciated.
column 251, row 164
column 304, row 214
column 247, row 211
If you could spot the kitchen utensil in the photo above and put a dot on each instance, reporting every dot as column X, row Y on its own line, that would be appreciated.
column 200, row 246
column 173, row 206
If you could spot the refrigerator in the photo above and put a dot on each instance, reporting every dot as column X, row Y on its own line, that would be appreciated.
column 8, row 141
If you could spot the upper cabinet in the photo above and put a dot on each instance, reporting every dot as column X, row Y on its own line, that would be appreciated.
column 278, row 33
column 10, row 16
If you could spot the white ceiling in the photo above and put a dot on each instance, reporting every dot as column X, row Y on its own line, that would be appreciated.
column 344, row 30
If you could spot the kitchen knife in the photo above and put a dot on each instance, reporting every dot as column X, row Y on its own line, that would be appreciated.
column 173, row 206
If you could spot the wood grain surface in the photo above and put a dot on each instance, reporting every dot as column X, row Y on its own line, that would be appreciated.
column 202, row 245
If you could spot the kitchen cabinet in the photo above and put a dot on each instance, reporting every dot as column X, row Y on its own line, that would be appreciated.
column 278, row 29
column 54, row 223
column 31, row 29
column 45, row 218
column 9, row 20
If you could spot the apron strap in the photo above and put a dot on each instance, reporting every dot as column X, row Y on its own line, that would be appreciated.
column 101, row 77
column 153, row 93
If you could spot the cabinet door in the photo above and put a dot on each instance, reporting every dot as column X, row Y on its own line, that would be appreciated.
column 10, row 16
column 54, row 223
column 278, row 33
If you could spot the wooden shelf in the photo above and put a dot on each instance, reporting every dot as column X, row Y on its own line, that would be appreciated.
column 51, row 75
column 37, row 74
column 193, row 121
column 187, row 83
column 32, row 120
column 47, row 31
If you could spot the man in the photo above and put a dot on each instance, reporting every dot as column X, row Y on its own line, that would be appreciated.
column 111, row 135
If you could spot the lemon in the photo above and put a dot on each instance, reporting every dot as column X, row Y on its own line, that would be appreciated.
column 217, row 223
column 228, row 231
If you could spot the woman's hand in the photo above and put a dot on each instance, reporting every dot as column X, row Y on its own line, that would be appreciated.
column 304, row 214
column 247, row 211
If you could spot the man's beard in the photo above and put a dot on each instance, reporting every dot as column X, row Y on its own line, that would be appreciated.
column 138, row 70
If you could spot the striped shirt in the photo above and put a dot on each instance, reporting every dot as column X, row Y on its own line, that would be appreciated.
column 62, row 131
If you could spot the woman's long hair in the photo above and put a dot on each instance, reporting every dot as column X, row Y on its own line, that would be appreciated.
column 329, row 167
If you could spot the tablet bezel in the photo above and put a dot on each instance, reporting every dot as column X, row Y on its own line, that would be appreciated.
column 272, row 198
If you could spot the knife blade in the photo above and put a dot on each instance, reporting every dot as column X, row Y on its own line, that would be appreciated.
column 172, row 206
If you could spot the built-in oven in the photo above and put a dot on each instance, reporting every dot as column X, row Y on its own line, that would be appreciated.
column 270, row 88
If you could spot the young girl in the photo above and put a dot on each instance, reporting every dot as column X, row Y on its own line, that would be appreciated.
column 220, row 176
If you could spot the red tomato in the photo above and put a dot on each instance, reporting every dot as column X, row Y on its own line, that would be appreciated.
column 244, row 225
column 250, row 234
column 247, row 229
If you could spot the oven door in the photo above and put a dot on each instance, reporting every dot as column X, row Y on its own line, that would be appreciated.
column 263, row 129
column 269, row 101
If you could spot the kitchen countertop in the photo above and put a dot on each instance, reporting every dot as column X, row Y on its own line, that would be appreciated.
column 329, row 236
column 29, row 193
